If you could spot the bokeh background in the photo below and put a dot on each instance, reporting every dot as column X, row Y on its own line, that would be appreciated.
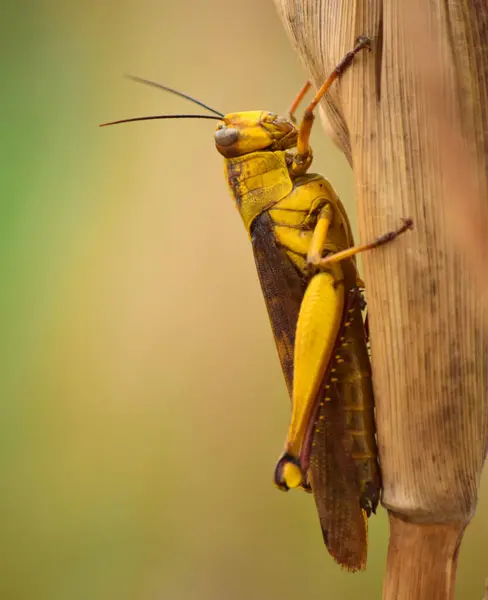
column 142, row 403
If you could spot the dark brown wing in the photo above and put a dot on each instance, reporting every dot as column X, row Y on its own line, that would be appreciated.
column 336, row 489
column 283, row 287
column 334, row 474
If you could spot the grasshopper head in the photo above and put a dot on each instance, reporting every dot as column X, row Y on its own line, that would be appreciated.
column 244, row 132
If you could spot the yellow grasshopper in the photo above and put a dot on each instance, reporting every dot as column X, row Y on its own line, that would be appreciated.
column 305, row 258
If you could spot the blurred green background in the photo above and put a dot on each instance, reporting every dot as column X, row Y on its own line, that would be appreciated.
column 143, row 406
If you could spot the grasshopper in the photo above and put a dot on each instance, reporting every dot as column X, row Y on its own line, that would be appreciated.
column 305, row 258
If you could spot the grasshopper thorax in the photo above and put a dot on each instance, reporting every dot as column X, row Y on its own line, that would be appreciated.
column 245, row 132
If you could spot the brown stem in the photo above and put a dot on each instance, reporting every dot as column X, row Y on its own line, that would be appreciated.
column 422, row 560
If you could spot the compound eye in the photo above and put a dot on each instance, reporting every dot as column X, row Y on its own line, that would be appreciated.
column 226, row 136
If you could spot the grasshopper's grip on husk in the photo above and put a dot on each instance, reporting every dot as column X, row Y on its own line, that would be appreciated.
column 305, row 258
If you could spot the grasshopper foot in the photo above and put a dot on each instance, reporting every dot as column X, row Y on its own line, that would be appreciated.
column 391, row 235
column 357, row 295
column 408, row 223
column 363, row 41
column 305, row 485
column 370, row 498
